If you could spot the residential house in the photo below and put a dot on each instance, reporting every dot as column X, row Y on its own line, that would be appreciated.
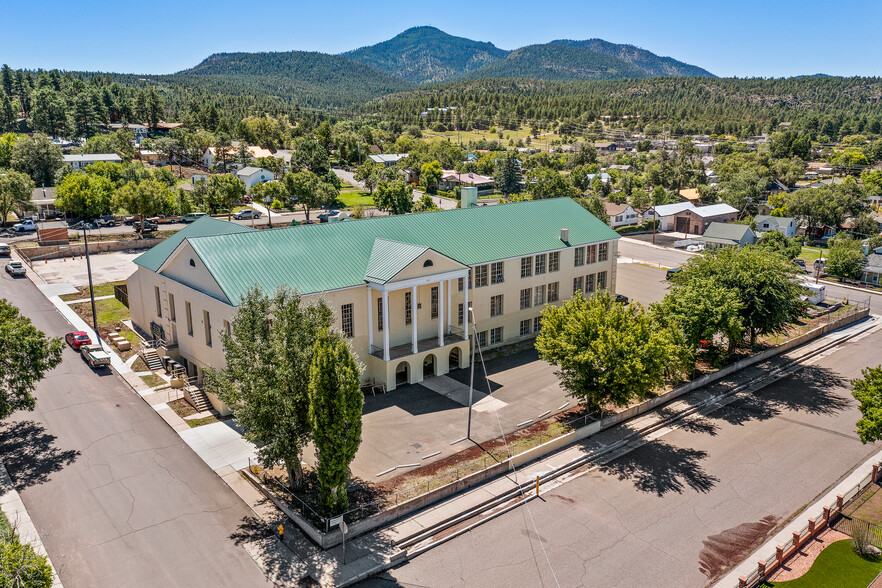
column 387, row 159
column 604, row 177
column 450, row 179
column 605, row 147
column 621, row 215
column 401, row 293
column 690, row 195
column 704, row 147
column 698, row 218
column 622, row 167
column 147, row 156
column 727, row 235
column 81, row 160
column 786, row 225
column 232, row 152
column 254, row 175
column 165, row 127
column 43, row 200
column 375, row 149
column 873, row 269
column 138, row 130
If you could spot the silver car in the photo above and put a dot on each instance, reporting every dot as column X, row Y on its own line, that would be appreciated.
column 247, row 213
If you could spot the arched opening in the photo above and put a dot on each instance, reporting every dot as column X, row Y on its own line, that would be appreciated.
column 402, row 374
column 454, row 359
column 429, row 366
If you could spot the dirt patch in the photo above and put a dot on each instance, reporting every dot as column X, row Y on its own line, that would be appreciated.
column 867, row 506
column 181, row 407
column 732, row 545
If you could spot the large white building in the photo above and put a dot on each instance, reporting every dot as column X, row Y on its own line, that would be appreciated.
column 400, row 286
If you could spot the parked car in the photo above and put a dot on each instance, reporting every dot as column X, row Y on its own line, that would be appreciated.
column 77, row 339
column 15, row 268
column 247, row 213
column 108, row 220
column 622, row 298
column 95, row 356
column 5, row 251
column 323, row 217
column 672, row 272
column 164, row 220
column 149, row 226
column 24, row 226
column 129, row 220
column 192, row 217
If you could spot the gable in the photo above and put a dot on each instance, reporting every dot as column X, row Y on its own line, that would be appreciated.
column 418, row 268
column 185, row 266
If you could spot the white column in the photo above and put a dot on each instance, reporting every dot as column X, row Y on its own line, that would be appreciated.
column 385, row 325
column 465, row 308
column 449, row 303
column 413, row 318
column 370, row 313
column 441, row 314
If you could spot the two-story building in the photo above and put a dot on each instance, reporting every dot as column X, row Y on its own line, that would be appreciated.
column 782, row 224
column 400, row 286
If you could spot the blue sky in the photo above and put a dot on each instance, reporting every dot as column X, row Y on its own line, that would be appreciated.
column 736, row 38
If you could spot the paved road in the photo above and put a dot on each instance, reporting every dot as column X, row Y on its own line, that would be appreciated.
column 677, row 510
column 641, row 283
column 116, row 496
column 674, row 258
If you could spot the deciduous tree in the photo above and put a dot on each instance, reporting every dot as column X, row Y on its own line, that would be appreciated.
column 701, row 309
column 845, row 258
column 85, row 196
column 868, row 391
column 394, row 197
column 144, row 199
column 38, row 157
column 15, row 193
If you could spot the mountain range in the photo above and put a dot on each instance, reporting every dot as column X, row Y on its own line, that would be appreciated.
column 427, row 55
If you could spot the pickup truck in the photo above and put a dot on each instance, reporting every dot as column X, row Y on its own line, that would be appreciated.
column 164, row 220
column 149, row 226
column 24, row 226
column 95, row 356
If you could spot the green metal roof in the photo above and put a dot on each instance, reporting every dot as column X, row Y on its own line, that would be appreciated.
column 329, row 256
column 154, row 257
column 390, row 257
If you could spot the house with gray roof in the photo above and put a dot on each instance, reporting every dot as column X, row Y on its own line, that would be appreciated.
column 782, row 224
column 727, row 235
column 873, row 269
column 81, row 160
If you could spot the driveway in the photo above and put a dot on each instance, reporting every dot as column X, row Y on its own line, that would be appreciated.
column 117, row 497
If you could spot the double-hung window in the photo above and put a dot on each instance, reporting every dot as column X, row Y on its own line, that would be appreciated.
column 496, row 305
column 526, row 267
column 496, row 273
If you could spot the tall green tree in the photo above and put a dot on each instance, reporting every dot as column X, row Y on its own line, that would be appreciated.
column 335, row 403
column 144, row 199
column 308, row 191
column 777, row 241
column 85, row 196
column 310, row 155
column 38, row 157
column 845, row 258
column 507, row 176
column 593, row 204
column 394, row 197
column 24, row 363
column 368, row 174
column 609, row 353
column 228, row 189
column 867, row 390
column 266, row 379
column 701, row 309
column 15, row 193
column 765, row 283
column 431, row 173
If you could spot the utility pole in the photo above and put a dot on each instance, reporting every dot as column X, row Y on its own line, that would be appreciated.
column 91, row 289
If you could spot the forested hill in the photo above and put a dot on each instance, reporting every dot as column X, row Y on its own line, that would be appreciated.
column 426, row 54
column 558, row 62
column 649, row 62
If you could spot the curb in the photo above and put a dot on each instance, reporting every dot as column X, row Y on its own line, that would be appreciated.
column 849, row 287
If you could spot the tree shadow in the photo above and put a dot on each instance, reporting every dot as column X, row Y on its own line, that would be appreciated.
column 658, row 467
column 813, row 389
column 693, row 424
column 278, row 562
column 30, row 454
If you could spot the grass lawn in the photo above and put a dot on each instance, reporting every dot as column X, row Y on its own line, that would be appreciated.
column 153, row 380
column 111, row 314
column 810, row 254
column 355, row 198
column 838, row 565
column 100, row 290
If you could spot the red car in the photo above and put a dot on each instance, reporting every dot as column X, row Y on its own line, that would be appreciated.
column 77, row 339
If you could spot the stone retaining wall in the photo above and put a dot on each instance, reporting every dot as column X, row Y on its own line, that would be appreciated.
column 31, row 254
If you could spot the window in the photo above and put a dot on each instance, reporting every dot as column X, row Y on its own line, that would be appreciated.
column 380, row 313
column 540, row 264
column 539, row 297
column 428, row 263
column 526, row 298
column 482, row 339
column 496, row 305
column 526, row 267
column 554, row 292
column 589, row 283
column 579, row 258
column 495, row 335
column 189, row 314
column 171, row 307
column 554, row 261
column 434, row 296
column 601, row 281
column 578, row 285
column 603, row 254
column 459, row 314
column 158, row 301
column 346, row 320
column 480, row 276
column 537, row 324
column 591, row 253
column 408, row 308
column 496, row 273
column 460, row 283
column 525, row 327
column 206, row 319
column 227, row 328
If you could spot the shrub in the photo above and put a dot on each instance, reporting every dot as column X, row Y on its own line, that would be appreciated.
column 20, row 565
column 276, row 205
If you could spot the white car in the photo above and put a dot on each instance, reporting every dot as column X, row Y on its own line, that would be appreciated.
column 15, row 268
column 24, row 226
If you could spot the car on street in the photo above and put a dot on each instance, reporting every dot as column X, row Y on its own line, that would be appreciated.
column 246, row 214
column 672, row 272
column 95, row 356
column 24, row 226
column 77, row 339
column 15, row 268
column 5, row 251
column 108, row 220
column 192, row 217
column 129, row 220
column 149, row 226
column 164, row 220
column 323, row 217
column 622, row 298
